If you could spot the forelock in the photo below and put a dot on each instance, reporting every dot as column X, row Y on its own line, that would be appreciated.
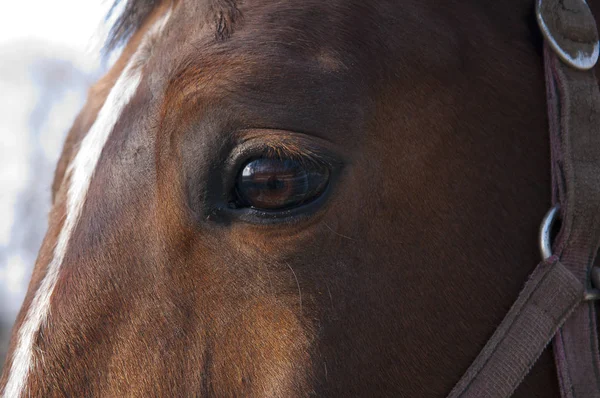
column 132, row 16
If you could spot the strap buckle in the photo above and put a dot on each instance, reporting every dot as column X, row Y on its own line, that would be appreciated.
column 545, row 236
column 593, row 294
column 545, row 246
column 570, row 29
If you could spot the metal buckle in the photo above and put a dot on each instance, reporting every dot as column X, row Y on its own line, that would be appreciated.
column 545, row 240
column 593, row 294
column 545, row 243
column 570, row 29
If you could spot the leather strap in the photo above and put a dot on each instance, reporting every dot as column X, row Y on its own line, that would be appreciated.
column 553, row 300
column 574, row 109
column 549, row 297
column 574, row 115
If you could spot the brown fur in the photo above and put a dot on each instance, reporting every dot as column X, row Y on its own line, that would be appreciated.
column 433, row 115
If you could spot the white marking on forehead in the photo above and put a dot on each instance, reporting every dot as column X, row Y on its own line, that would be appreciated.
column 82, row 170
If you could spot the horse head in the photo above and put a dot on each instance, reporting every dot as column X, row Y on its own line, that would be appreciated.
column 283, row 198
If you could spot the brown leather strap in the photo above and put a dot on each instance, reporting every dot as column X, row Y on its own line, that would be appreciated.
column 574, row 116
column 553, row 299
column 574, row 108
column 549, row 297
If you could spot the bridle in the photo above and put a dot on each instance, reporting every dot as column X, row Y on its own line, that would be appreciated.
column 557, row 303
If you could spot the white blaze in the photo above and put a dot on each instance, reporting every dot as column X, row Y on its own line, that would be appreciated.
column 81, row 172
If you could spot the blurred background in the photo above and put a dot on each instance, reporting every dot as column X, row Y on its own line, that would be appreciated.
column 49, row 56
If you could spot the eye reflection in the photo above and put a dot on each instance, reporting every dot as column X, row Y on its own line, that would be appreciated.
column 279, row 184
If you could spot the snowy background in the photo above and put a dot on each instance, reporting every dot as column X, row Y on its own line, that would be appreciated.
column 49, row 56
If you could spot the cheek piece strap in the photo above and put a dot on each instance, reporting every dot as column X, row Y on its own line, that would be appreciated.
column 557, row 303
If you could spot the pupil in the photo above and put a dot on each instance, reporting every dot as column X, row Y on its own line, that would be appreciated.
column 275, row 184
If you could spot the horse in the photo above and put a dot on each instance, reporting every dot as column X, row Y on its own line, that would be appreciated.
column 284, row 199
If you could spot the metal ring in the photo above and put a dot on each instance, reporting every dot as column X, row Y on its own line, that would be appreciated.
column 593, row 294
column 545, row 240
column 580, row 49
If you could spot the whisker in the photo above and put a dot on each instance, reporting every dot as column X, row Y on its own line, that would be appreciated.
column 297, row 283
column 337, row 233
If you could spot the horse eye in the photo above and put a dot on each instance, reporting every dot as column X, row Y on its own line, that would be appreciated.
column 279, row 184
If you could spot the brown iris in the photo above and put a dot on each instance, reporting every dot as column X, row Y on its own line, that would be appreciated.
column 279, row 184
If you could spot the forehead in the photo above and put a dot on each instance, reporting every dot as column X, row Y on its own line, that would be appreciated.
column 265, row 32
column 217, row 68
column 289, row 65
column 303, row 26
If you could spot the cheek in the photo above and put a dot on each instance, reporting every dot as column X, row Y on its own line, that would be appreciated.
column 271, row 355
column 274, row 243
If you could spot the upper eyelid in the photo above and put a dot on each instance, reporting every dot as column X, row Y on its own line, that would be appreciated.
column 298, row 154
column 286, row 144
